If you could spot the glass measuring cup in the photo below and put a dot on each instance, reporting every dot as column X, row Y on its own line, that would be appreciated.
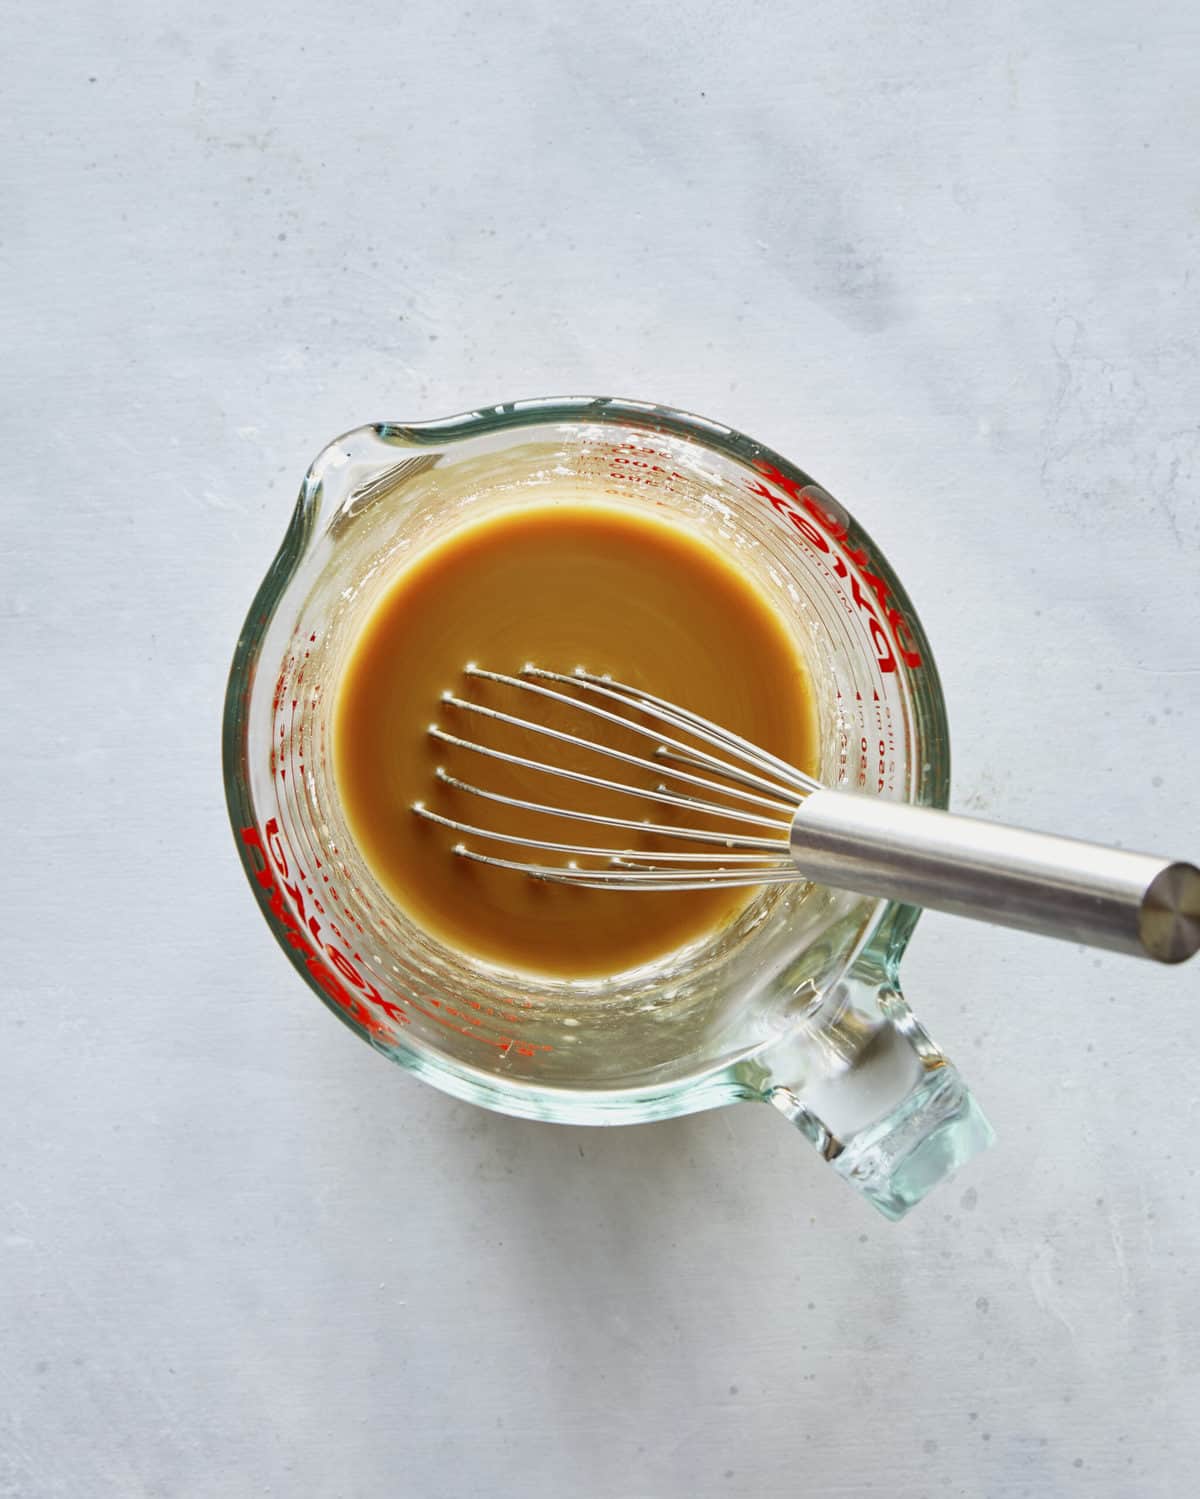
column 797, row 1001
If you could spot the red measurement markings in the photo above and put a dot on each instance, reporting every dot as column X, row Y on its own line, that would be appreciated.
column 634, row 463
column 886, row 745
column 824, row 526
column 330, row 968
column 334, row 972
column 338, row 977
column 864, row 748
column 281, row 683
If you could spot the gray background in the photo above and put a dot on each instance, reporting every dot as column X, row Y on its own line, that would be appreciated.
column 942, row 254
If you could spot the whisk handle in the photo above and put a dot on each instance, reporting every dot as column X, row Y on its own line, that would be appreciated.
column 1060, row 887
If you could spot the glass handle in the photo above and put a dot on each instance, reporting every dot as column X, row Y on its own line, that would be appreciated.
column 877, row 1098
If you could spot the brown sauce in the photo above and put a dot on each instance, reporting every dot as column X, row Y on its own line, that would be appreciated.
column 561, row 586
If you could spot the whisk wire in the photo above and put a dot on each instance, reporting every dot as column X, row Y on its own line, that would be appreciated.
column 656, row 879
column 622, row 721
column 744, row 858
column 684, row 718
column 631, row 824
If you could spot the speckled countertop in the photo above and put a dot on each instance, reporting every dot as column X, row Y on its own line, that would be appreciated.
column 943, row 255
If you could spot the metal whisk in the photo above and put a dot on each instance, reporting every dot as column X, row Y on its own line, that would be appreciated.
column 763, row 822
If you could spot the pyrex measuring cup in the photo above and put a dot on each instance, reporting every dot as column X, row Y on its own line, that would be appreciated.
column 797, row 1001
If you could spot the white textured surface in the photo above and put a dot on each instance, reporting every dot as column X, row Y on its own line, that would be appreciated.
column 944, row 255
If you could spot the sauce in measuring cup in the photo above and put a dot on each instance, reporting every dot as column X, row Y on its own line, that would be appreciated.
column 557, row 585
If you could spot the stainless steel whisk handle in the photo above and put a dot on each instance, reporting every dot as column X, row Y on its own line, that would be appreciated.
column 1060, row 887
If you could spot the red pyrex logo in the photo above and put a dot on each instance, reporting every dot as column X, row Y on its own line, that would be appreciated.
column 823, row 524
